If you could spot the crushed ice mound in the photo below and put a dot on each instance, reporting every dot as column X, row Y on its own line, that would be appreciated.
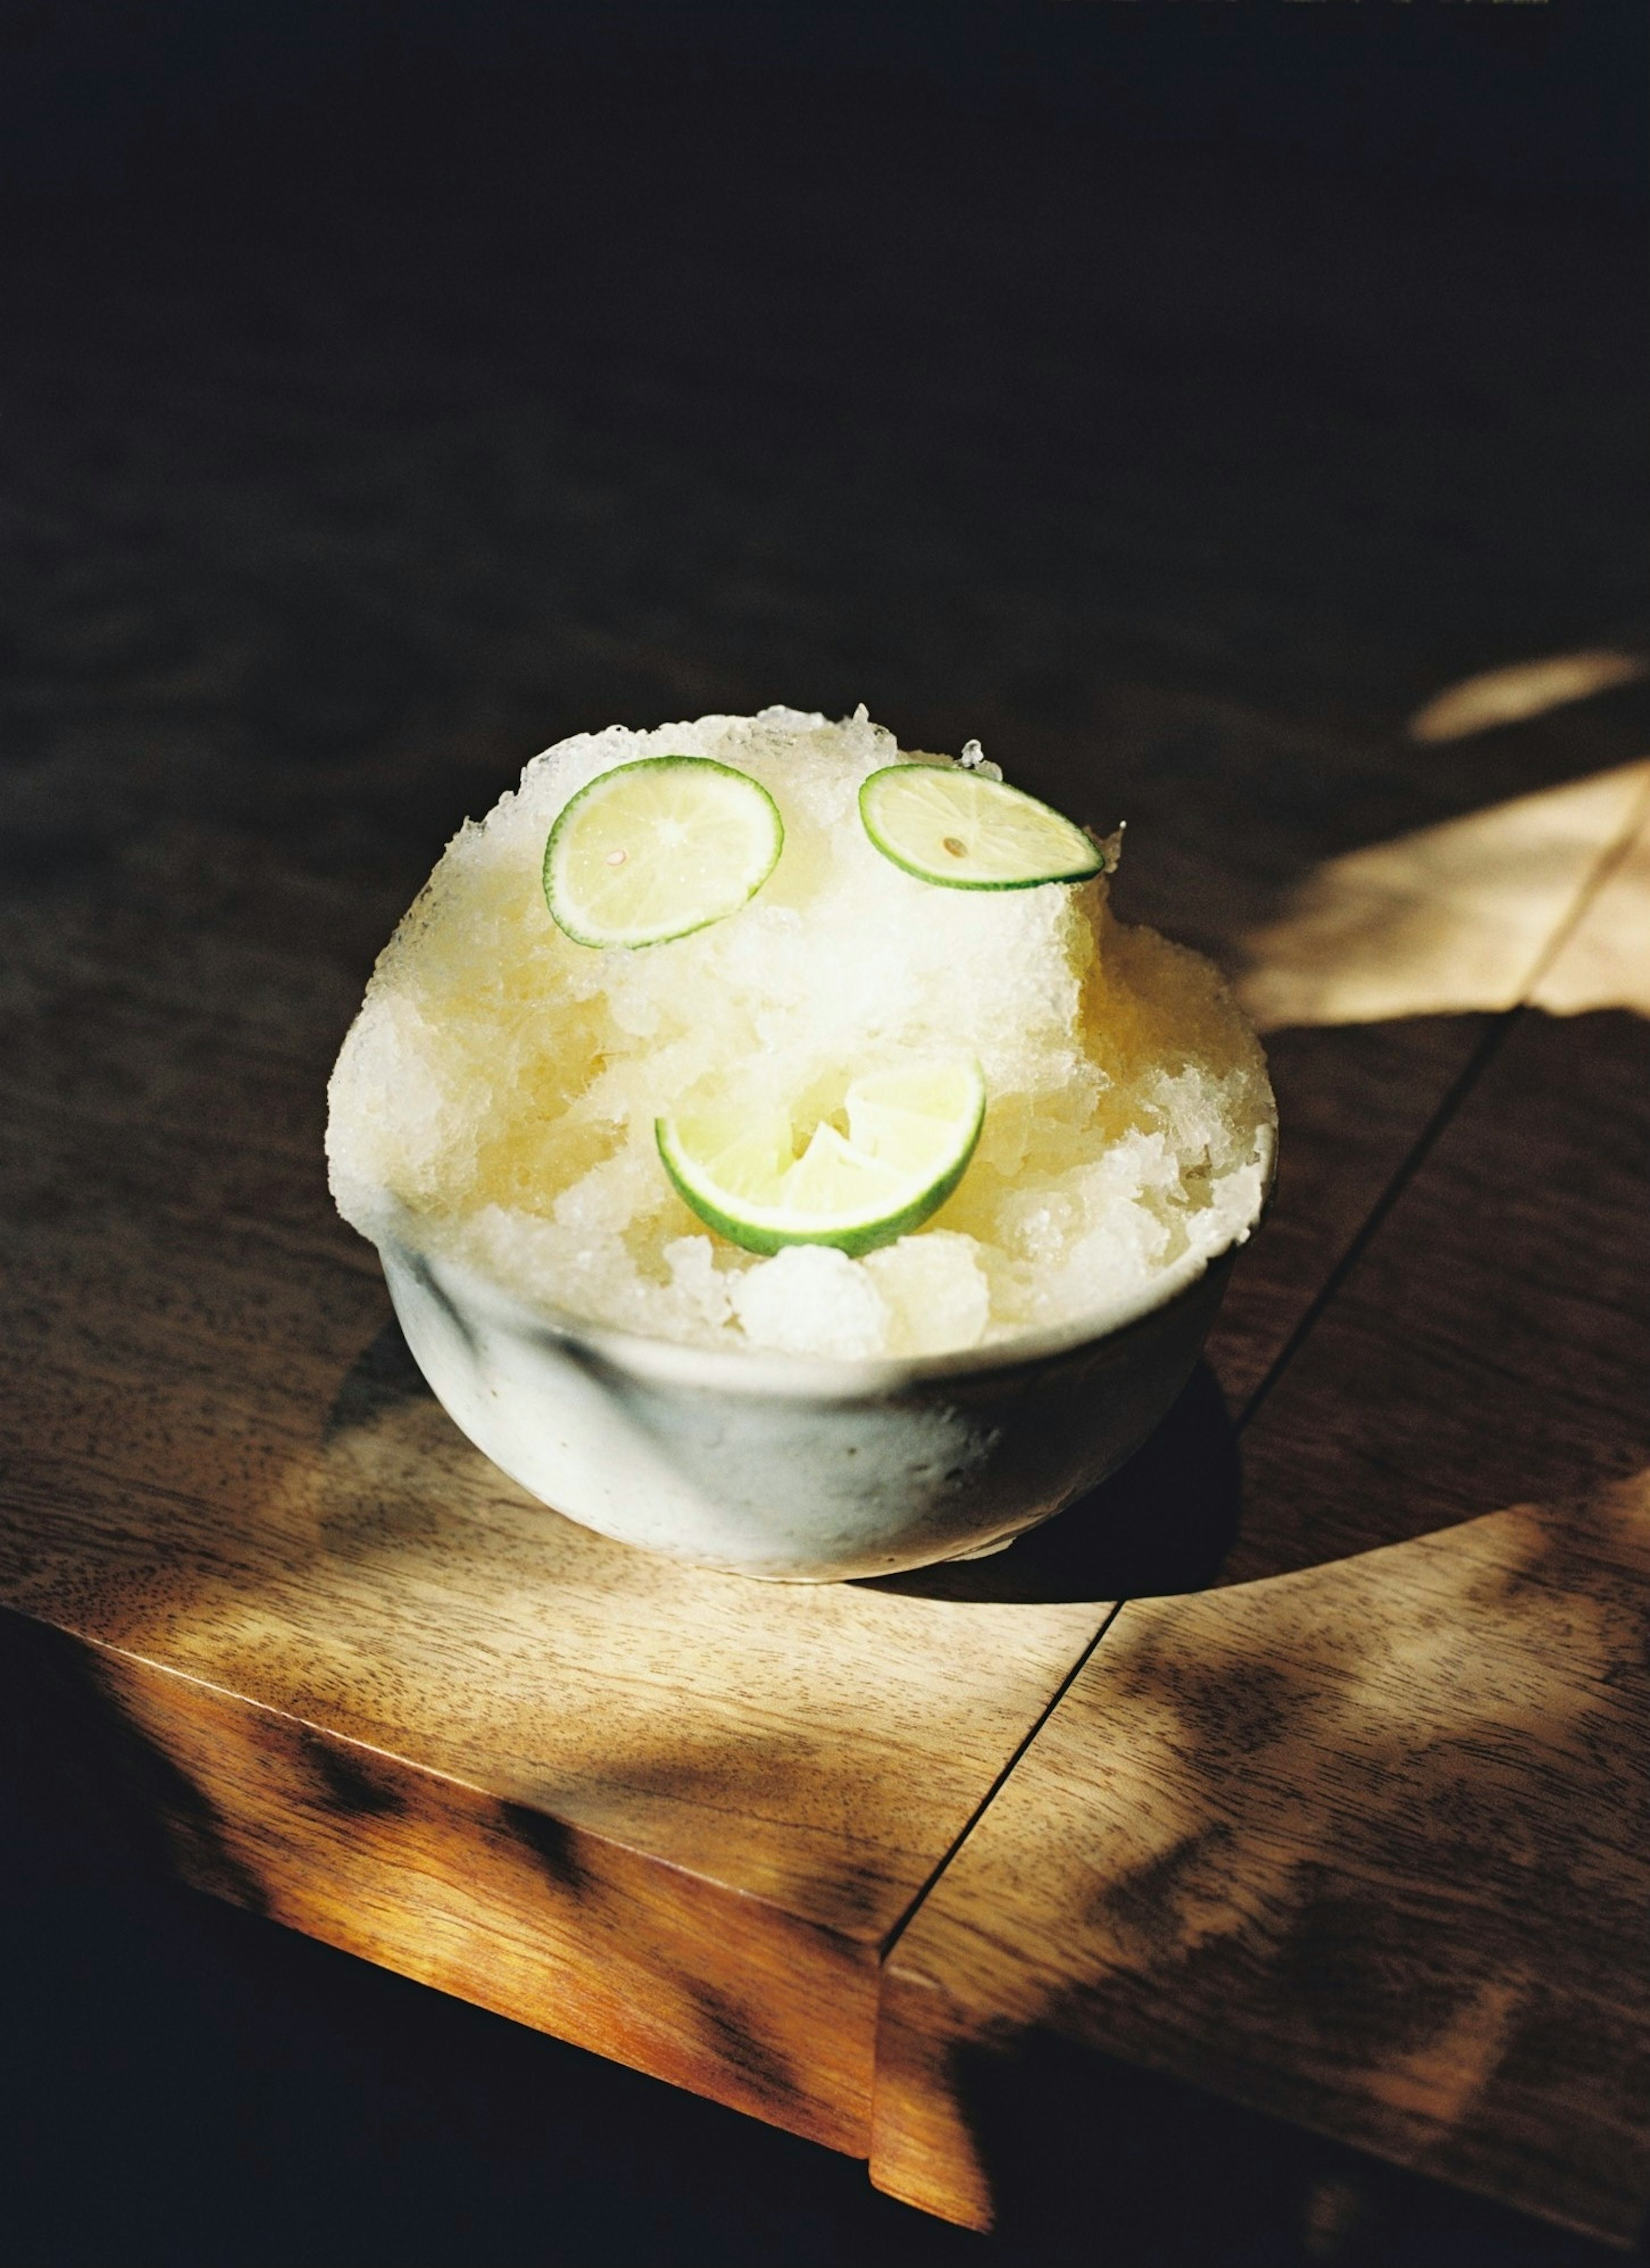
column 501, row 1082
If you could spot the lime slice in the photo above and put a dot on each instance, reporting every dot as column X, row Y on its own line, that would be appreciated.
column 656, row 848
column 910, row 1134
column 970, row 833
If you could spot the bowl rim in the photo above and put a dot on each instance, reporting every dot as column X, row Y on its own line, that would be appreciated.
column 763, row 1371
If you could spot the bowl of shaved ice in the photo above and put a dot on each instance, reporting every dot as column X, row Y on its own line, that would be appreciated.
column 781, row 1157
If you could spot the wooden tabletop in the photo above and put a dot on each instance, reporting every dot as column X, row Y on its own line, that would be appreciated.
column 1342, row 1815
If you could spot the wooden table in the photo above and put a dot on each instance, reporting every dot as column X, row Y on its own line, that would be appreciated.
column 1342, row 1816
column 1359, row 1839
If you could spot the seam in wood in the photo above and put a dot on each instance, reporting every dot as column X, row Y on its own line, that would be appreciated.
column 1608, row 860
column 904, row 1919
column 1489, row 1046
column 1478, row 1062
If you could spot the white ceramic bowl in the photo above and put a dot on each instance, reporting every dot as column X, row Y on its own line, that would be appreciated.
column 787, row 1466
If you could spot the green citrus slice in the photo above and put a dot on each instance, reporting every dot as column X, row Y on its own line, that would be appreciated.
column 910, row 1134
column 970, row 833
column 658, row 848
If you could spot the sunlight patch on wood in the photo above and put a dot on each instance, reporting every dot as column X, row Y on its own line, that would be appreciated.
column 1460, row 916
column 1526, row 688
column 1606, row 964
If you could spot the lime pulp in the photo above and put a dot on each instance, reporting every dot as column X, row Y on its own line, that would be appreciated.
column 657, row 849
column 911, row 1134
column 967, row 832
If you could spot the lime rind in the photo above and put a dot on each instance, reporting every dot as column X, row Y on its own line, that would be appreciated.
column 740, row 836
column 963, row 831
column 888, row 1176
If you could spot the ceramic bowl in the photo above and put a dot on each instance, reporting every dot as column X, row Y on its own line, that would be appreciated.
column 787, row 1466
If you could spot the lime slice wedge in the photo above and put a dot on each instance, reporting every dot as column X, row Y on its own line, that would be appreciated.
column 657, row 849
column 970, row 833
column 910, row 1134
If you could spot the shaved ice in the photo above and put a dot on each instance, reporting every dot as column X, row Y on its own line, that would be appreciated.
column 501, row 1082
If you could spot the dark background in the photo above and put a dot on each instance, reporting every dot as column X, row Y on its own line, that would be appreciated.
column 1515, row 98
column 420, row 383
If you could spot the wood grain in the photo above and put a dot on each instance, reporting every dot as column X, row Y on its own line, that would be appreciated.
column 1363, row 1844
column 1364, row 1848
column 1492, row 1347
column 1606, row 964
column 1455, row 918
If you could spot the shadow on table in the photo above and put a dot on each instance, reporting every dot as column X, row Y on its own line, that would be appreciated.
column 1297, row 1840
column 1083, row 2144
column 1163, row 1523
